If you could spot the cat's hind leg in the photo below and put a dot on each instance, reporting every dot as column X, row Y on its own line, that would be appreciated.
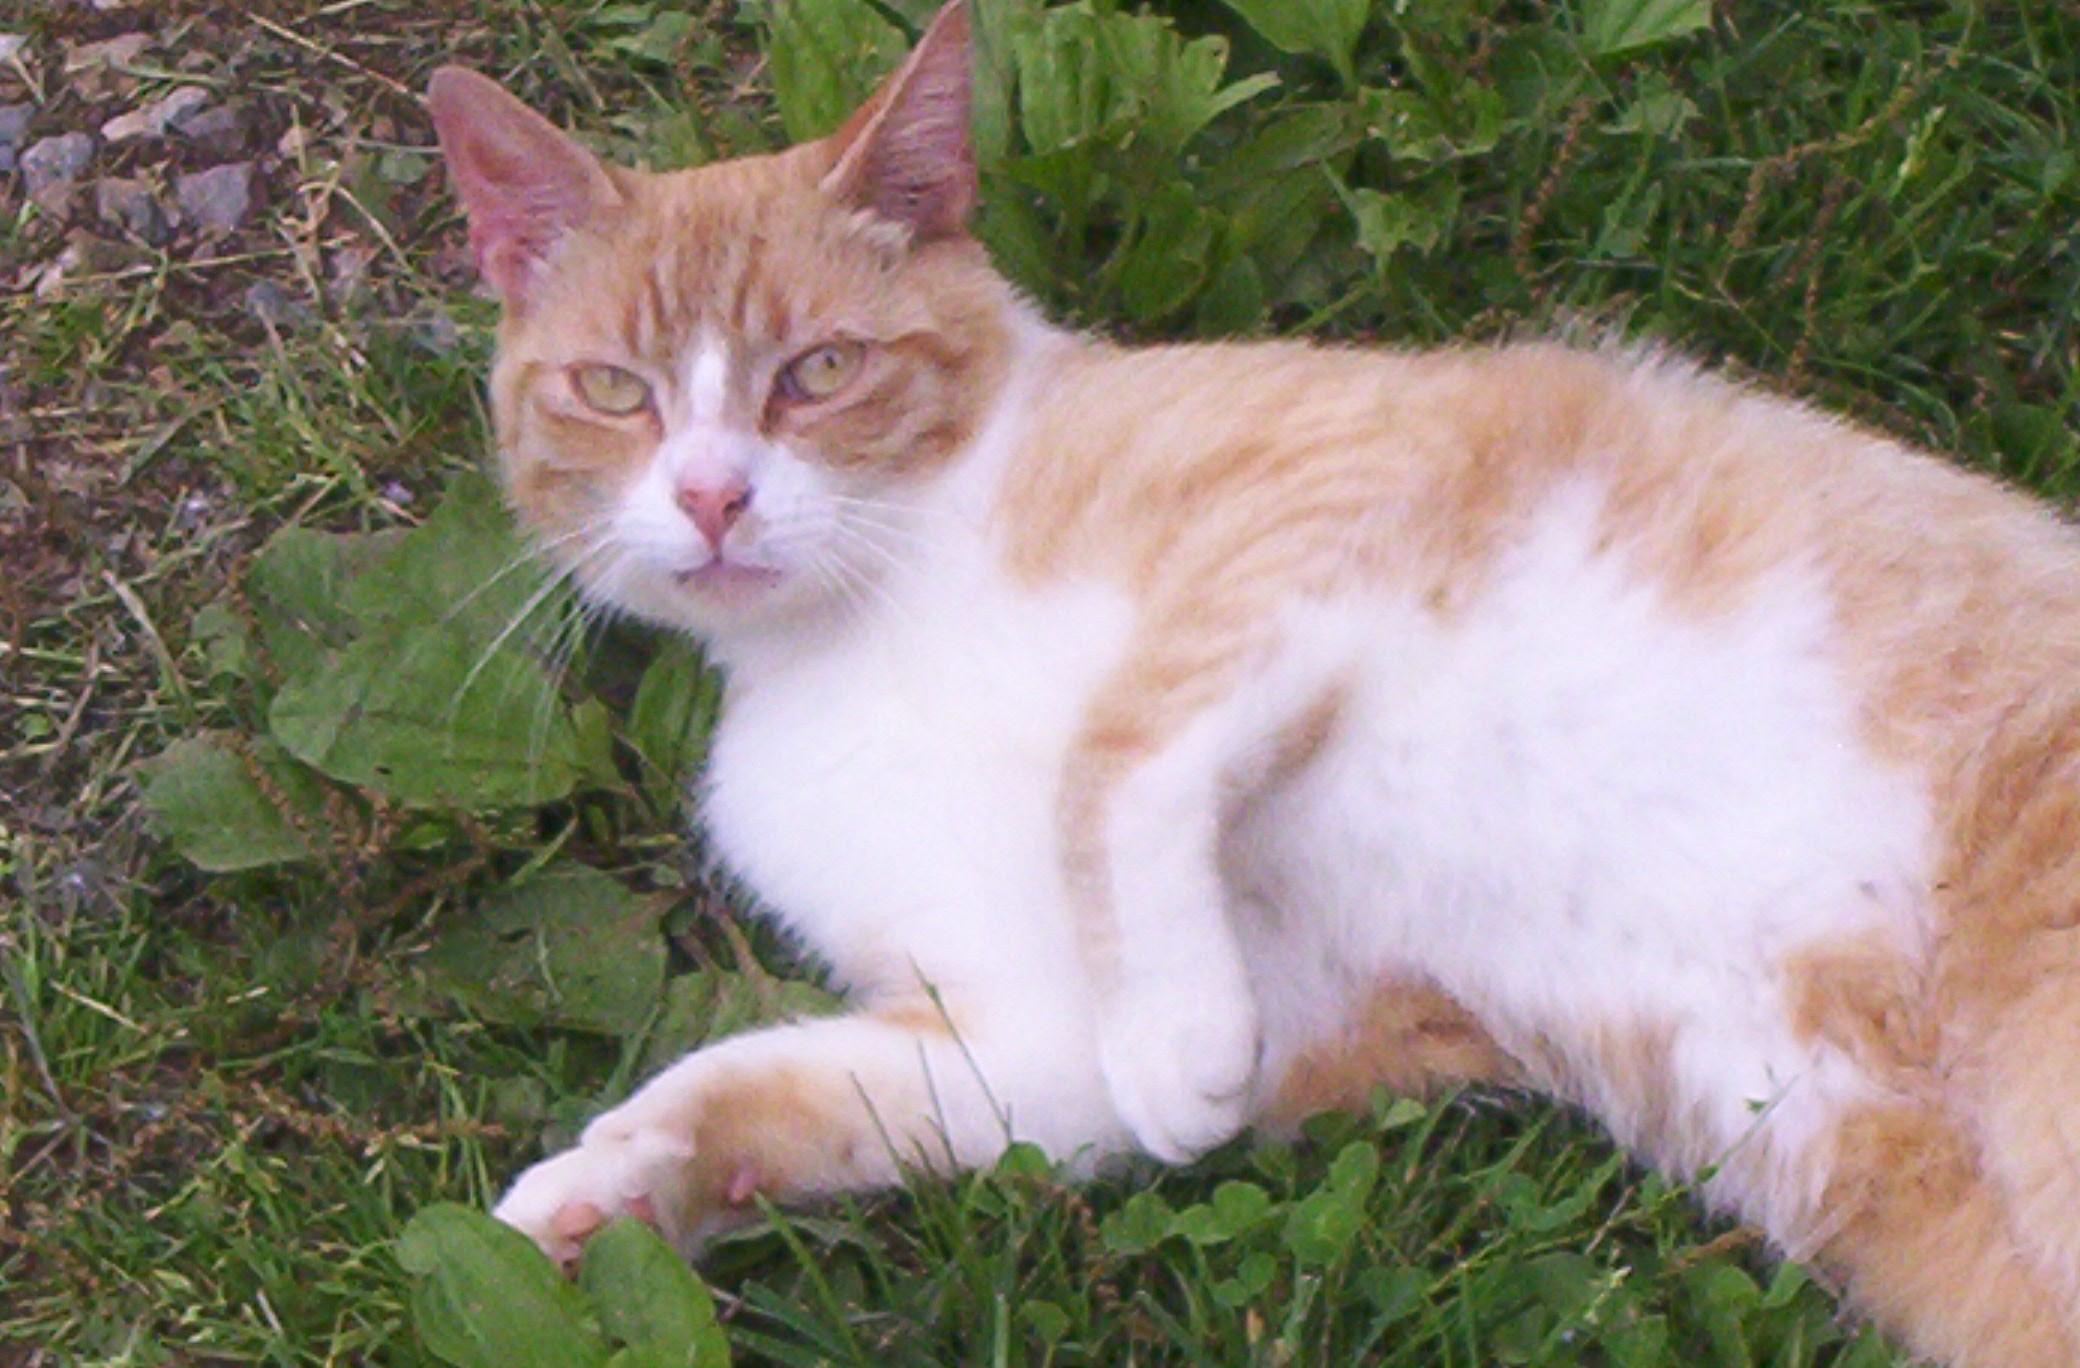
column 1927, row 1241
column 2029, row 1121
column 814, row 1108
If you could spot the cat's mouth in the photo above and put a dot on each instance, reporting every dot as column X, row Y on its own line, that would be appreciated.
column 719, row 576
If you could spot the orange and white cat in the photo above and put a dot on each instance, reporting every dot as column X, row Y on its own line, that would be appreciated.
column 1157, row 742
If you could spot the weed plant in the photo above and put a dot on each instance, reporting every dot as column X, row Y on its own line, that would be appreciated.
column 345, row 853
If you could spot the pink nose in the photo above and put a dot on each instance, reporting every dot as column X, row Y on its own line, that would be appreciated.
column 715, row 508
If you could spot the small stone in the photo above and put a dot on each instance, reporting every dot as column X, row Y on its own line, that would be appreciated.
column 221, row 130
column 216, row 200
column 14, row 127
column 275, row 306
column 109, row 52
column 128, row 204
column 54, row 163
column 152, row 120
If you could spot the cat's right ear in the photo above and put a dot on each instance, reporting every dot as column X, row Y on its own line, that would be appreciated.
column 523, row 182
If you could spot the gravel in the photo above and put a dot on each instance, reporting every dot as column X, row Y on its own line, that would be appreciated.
column 53, row 164
column 216, row 200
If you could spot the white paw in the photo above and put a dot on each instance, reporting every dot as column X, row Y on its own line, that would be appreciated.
column 613, row 1172
column 1180, row 1062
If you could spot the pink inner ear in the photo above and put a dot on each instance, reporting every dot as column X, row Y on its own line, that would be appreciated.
column 508, row 246
column 521, row 181
column 907, row 155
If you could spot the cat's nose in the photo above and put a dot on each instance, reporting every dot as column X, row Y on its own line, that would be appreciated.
column 715, row 508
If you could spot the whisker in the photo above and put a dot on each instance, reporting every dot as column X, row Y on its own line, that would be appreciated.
column 552, row 585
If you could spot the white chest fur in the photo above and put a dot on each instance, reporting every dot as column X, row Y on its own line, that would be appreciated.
column 892, row 793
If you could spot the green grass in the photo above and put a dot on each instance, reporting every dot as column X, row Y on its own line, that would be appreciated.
column 221, row 1097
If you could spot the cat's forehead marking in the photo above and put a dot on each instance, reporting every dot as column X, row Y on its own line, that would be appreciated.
column 707, row 377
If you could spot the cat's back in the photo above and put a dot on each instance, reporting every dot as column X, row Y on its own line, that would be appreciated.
column 1273, row 470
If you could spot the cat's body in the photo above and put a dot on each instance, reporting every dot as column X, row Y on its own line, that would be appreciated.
column 1157, row 742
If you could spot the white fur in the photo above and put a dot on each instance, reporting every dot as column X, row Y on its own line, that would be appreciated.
column 1572, row 806
column 707, row 379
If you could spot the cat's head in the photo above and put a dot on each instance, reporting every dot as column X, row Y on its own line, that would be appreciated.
column 717, row 390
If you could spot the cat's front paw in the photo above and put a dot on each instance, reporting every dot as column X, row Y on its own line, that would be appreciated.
column 1180, row 1067
column 561, row 1201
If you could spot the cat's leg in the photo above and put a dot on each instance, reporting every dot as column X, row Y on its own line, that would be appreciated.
column 1179, row 735
column 1927, row 1240
column 817, row 1107
column 2029, row 1119
column 1178, row 1025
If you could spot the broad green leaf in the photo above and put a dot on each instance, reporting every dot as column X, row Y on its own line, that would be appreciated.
column 226, row 642
column 1253, row 1277
column 1326, row 28
column 1235, row 1208
column 1168, row 260
column 484, row 1297
column 1657, row 109
column 1138, row 1226
column 1643, row 1343
column 570, row 947
column 1628, row 222
column 1418, row 127
column 826, row 56
column 671, row 719
column 1082, row 74
column 708, row 1004
column 466, row 567
column 1289, row 140
column 1612, row 27
column 432, row 716
column 1048, row 1322
column 223, row 811
column 649, row 1300
column 297, row 589
column 1417, row 218
column 1399, row 1112
column 1723, row 1296
column 1322, row 1225
column 1393, row 1292
column 1233, row 300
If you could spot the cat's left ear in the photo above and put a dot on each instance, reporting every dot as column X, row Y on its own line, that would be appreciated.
column 906, row 154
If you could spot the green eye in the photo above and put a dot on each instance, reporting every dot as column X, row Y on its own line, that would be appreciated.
column 822, row 371
column 610, row 389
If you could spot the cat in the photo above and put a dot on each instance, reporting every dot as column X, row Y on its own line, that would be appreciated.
column 1160, row 742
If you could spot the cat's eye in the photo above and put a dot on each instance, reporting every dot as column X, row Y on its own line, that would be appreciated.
column 610, row 389
column 821, row 371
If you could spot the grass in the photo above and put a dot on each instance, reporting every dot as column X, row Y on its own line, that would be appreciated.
column 224, row 1095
